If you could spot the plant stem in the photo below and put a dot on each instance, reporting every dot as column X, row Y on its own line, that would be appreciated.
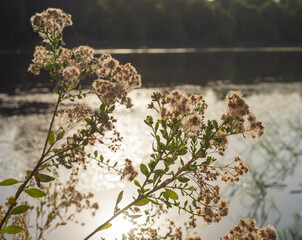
column 44, row 153
column 164, row 184
column 113, row 217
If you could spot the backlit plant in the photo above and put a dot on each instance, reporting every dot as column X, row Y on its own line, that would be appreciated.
column 182, row 172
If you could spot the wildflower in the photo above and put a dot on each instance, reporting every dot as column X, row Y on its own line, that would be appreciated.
column 236, row 105
column 243, row 120
column 71, row 75
column 71, row 117
column 111, row 92
column 247, row 229
column 50, row 23
column 83, row 53
column 194, row 238
column 41, row 59
column 192, row 123
column 237, row 171
column 128, row 76
column 129, row 171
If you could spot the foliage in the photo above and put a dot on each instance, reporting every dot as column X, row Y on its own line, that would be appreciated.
column 125, row 23
column 181, row 172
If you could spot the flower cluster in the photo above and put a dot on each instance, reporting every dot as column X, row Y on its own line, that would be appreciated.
column 177, row 104
column 128, row 171
column 69, row 118
column 50, row 23
column 71, row 75
column 243, row 120
column 114, row 80
column 68, row 66
column 233, row 173
column 247, row 230
column 111, row 92
column 40, row 60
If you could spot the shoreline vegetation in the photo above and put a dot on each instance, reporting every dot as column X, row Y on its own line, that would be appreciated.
column 161, row 23
column 147, row 50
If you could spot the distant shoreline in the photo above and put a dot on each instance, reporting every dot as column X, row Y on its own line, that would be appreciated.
column 175, row 50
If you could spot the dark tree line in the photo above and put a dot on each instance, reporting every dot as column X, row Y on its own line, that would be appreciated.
column 159, row 23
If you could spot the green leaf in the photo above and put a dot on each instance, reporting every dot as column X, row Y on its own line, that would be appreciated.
column 137, row 183
column 144, row 169
column 51, row 138
column 183, row 179
column 142, row 202
column 168, row 161
column 157, row 173
column 45, row 178
column 60, row 135
column 12, row 229
column 89, row 121
column 166, row 196
column 12, row 201
column 111, row 109
column 119, row 198
column 20, row 209
column 48, row 66
column 60, row 51
column 173, row 195
column 182, row 151
column 49, row 47
column 106, row 226
column 35, row 193
column 9, row 181
column 215, row 124
column 134, row 216
column 102, row 108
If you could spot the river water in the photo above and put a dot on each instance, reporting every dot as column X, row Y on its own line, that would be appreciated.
column 267, row 193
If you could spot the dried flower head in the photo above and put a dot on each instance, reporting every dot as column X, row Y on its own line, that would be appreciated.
column 41, row 59
column 50, row 23
column 192, row 123
column 128, row 171
column 71, row 75
column 247, row 229
column 243, row 120
column 111, row 92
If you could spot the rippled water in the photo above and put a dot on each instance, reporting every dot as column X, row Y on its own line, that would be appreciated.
column 277, row 105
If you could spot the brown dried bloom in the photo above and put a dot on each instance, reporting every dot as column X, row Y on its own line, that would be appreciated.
column 243, row 120
column 192, row 123
column 194, row 238
column 233, row 173
column 41, row 59
column 156, row 96
column 71, row 75
column 71, row 117
column 111, row 92
column 246, row 229
column 65, row 56
column 128, row 76
column 178, row 104
column 50, row 23
column 236, row 104
column 83, row 55
column 129, row 171
column 268, row 232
